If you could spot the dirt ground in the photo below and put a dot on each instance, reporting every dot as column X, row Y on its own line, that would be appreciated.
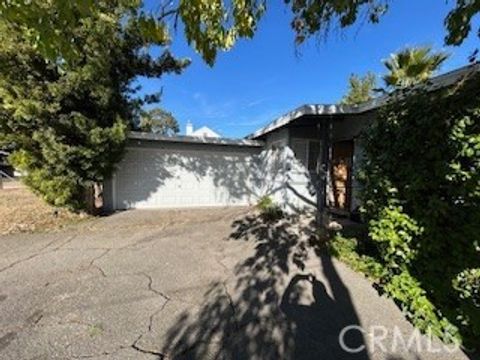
column 22, row 211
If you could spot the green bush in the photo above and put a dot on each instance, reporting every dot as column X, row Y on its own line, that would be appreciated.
column 268, row 209
column 421, row 199
column 347, row 250
column 467, row 285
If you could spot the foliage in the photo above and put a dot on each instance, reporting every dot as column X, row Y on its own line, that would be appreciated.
column 68, row 125
column 361, row 89
column 467, row 283
column 209, row 25
column 421, row 198
column 412, row 66
column 268, row 209
column 467, row 286
column 158, row 121
column 347, row 250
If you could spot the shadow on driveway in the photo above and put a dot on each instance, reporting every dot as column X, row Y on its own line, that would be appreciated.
column 271, row 308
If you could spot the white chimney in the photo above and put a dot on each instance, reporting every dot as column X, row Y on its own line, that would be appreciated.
column 189, row 128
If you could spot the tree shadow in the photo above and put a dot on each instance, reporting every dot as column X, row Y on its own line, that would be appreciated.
column 271, row 308
column 239, row 175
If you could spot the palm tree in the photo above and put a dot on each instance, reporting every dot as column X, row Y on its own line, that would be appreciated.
column 412, row 66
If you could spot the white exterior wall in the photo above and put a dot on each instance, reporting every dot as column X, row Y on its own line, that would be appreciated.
column 171, row 175
column 287, row 180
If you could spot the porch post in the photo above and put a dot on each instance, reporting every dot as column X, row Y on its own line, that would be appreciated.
column 326, row 140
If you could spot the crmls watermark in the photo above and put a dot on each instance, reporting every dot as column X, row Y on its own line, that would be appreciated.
column 381, row 338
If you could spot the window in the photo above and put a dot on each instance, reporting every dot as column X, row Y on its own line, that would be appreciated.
column 307, row 152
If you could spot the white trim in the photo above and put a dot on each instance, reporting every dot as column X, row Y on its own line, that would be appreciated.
column 134, row 135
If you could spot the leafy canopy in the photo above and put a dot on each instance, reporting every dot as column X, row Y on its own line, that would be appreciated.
column 421, row 196
column 360, row 89
column 68, row 125
column 158, row 121
column 412, row 66
column 209, row 25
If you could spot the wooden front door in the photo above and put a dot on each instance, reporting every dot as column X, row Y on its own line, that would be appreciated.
column 341, row 171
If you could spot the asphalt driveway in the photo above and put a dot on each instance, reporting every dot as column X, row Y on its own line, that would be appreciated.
column 196, row 284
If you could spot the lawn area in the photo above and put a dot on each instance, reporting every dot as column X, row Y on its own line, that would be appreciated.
column 22, row 211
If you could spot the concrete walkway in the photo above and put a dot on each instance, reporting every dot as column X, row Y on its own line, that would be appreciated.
column 196, row 284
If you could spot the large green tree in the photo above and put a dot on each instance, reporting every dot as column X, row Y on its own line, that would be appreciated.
column 412, row 66
column 68, row 124
column 211, row 25
column 360, row 89
column 158, row 121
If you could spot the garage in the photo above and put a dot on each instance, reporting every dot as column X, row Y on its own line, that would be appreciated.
column 168, row 172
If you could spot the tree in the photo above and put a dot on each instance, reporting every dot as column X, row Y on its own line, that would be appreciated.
column 209, row 25
column 360, row 89
column 68, row 125
column 412, row 66
column 159, row 121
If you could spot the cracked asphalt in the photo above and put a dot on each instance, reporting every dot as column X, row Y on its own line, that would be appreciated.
column 193, row 284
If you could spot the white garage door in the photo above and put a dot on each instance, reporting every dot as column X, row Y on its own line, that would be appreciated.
column 182, row 175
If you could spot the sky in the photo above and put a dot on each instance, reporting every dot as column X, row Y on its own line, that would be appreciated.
column 265, row 77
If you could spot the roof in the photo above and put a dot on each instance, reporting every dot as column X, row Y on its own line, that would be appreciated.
column 437, row 82
column 205, row 130
column 134, row 135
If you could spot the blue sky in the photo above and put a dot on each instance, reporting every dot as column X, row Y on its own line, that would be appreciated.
column 263, row 78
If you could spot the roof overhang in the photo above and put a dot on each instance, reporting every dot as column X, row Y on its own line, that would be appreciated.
column 134, row 135
column 433, row 84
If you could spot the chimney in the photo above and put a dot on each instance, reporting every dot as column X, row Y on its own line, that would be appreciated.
column 189, row 128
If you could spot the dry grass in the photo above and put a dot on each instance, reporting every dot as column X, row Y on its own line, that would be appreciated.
column 22, row 211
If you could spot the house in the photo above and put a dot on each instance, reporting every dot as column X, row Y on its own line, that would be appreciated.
column 204, row 132
column 306, row 159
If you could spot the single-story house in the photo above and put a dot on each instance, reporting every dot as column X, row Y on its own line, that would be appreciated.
column 306, row 159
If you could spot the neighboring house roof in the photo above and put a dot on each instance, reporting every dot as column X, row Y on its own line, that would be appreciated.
column 435, row 83
column 205, row 132
column 194, row 140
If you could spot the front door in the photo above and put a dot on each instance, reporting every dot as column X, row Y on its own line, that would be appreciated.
column 342, row 159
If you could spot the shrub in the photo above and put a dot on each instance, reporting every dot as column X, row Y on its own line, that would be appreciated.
column 421, row 199
column 268, row 209
column 347, row 250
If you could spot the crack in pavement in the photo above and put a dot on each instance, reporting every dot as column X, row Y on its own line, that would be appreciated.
column 150, row 286
column 104, row 353
column 99, row 256
column 19, row 262
column 232, row 307
column 73, row 237
column 92, row 262
column 37, row 253
column 150, row 321
column 135, row 347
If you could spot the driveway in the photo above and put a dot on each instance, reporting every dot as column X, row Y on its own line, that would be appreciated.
column 196, row 284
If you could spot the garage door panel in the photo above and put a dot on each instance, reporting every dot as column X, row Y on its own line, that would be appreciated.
column 154, row 178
